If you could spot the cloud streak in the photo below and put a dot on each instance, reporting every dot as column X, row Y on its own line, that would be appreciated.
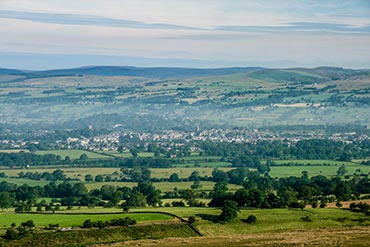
column 89, row 20
column 299, row 26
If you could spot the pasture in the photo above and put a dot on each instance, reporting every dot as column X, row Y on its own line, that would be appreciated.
column 315, row 170
column 73, row 154
column 75, row 220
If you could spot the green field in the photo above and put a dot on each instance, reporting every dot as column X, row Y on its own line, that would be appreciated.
column 315, row 162
column 13, row 150
column 71, row 220
column 73, row 154
column 270, row 220
column 314, row 170
column 21, row 181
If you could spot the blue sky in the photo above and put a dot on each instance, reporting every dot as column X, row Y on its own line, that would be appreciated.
column 44, row 34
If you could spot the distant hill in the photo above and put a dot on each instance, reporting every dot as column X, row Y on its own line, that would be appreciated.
column 273, row 75
column 11, row 72
column 166, row 98
column 155, row 72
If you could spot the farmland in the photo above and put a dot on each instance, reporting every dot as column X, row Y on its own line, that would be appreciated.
column 75, row 220
column 286, row 146
column 272, row 226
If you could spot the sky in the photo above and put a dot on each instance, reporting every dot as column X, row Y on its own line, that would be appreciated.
column 47, row 34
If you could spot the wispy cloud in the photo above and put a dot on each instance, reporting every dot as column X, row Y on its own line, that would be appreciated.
column 90, row 20
column 310, row 32
column 299, row 26
column 73, row 19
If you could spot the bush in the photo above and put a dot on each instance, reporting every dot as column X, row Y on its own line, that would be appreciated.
column 178, row 204
column 306, row 219
column 28, row 224
column 11, row 234
column 87, row 224
column 123, row 222
column 251, row 219
column 297, row 204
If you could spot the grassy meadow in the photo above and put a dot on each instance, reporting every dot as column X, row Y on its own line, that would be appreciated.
column 73, row 153
column 75, row 220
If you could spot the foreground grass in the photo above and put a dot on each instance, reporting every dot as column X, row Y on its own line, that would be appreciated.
column 343, row 237
column 269, row 220
column 109, row 235
column 274, row 227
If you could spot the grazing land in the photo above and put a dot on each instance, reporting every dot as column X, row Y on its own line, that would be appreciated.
column 241, row 156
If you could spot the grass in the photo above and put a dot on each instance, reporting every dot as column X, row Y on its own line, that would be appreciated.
column 13, row 150
column 78, row 172
column 108, row 235
column 315, row 162
column 276, row 220
column 269, row 220
column 328, row 171
column 21, row 181
column 73, row 153
column 74, row 220
column 338, row 237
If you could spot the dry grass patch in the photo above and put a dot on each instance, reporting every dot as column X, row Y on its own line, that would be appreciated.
column 354, row 236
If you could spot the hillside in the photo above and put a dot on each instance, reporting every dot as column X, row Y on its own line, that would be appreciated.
column 155, row 98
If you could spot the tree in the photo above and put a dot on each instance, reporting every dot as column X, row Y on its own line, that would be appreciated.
column 134, row 152
column 189, row 196
column 136, row 199
column 229, row 211
column 120, row 149
column 6, row 200
column 219, row 175
column 99, row 178
column 343, row 191
column 79, row 189
column 174, row 177
column 84, row 157
column 89, row 178
column 194, row 176
column 150, row 192
column 341, row 171
column 136, row 174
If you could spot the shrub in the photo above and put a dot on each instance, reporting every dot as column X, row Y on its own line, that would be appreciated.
column 306, row 219
column 251, row 219
column 11, row 234
column 178, row 204
column 123, row 222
